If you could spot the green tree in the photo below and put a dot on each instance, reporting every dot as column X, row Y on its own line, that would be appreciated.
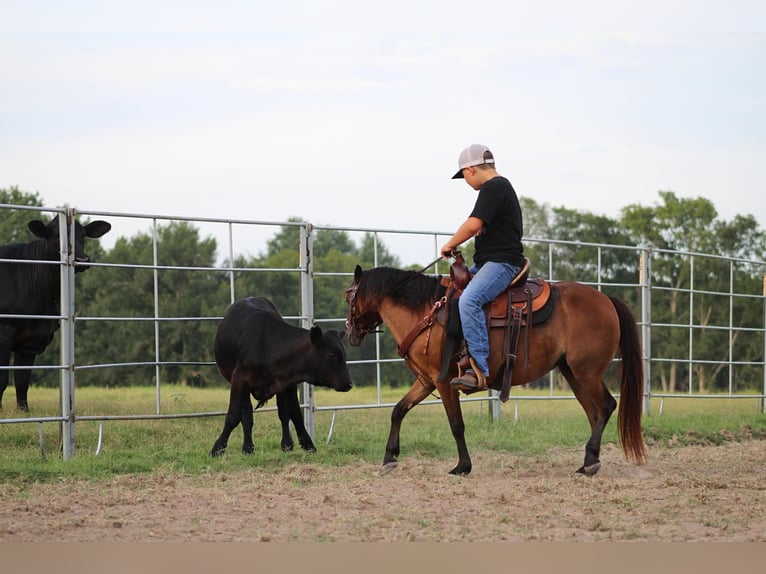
column 13, row 222
column 690, row 289
column 122, row 297
column 368, row 249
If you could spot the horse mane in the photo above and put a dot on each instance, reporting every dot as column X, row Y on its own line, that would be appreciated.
column 410, row 289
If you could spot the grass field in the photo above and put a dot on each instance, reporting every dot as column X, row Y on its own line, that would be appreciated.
column 182, row 445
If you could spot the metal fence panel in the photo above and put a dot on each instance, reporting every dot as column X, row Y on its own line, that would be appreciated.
column 634, row 277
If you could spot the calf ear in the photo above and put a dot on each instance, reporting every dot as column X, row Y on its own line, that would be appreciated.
column 342, row 334
column 316, row 334
column 97, row 228
column 38, row 228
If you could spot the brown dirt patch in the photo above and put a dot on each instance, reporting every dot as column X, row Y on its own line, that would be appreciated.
column 694, row 493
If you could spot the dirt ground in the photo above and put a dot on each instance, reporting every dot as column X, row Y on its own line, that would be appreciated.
column 695, row 493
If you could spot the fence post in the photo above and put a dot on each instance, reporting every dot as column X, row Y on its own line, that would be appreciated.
column 495, row 411
column 307, row 311
column 66, row 242
column 645, row 268
column 763, row 393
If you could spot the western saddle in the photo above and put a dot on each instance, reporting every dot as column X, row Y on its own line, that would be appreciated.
column 523, row 303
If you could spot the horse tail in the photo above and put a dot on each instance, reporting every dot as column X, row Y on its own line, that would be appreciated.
column 631, row 386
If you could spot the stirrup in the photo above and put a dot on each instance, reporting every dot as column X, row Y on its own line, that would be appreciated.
column 470, row 380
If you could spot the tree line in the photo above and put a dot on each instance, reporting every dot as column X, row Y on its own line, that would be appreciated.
column 674, row 228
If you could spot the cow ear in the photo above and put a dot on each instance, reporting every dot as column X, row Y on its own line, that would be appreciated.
column 38, row 228
column 357, row 273
column 97, row 228
column 316, row 334
column 342, row 334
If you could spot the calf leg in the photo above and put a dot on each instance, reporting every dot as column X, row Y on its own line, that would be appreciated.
column 283, row 410
column 5, row 360
column 237, row 396
column 247, row 425
column 21, row 379
column 289, row 408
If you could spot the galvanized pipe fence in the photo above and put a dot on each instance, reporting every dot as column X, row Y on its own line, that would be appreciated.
column 238, row 235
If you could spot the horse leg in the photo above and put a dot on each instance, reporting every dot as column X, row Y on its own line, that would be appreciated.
column 237, row 395
column 418, row 391
column 451, row 401
column 599, row 404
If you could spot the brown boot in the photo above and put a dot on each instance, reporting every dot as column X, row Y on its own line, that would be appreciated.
column 470, row 381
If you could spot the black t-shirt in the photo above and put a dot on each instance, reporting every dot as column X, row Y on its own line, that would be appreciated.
column 500, row 238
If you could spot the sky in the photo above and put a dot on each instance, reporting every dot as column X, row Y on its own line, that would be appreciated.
column 353, row 113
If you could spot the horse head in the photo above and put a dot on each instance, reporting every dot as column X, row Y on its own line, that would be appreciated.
column 363, row 316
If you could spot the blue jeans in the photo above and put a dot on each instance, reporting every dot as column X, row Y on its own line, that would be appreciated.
column 488, row 282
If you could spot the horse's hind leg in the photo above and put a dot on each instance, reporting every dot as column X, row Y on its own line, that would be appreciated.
column 418, row 391
column 599, row 404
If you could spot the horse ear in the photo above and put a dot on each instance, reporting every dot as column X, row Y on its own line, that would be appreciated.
column 316, row 334
column 358, row 273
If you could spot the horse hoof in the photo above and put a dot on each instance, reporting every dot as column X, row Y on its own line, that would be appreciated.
column 388, row 467
column 589, row 470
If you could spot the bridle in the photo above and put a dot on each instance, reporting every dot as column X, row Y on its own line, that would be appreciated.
column 369, row 320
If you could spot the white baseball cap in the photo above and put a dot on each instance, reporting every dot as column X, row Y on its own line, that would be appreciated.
column 470, row 156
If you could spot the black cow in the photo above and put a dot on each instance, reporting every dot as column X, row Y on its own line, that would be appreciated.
column 262, row 355
column 34, row 289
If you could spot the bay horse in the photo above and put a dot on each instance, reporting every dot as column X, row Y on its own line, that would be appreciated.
column 584, row 332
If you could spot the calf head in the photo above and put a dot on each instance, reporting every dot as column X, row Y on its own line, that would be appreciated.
column 50, row 234
column 327, row 360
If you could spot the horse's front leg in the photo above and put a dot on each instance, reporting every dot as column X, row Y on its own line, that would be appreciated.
column 418, row 391
column 451, row 401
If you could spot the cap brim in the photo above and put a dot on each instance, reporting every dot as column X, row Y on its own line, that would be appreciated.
column 459, row 174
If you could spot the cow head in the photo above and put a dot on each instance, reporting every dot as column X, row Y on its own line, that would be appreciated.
column 50, row 234
column 328, row 360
